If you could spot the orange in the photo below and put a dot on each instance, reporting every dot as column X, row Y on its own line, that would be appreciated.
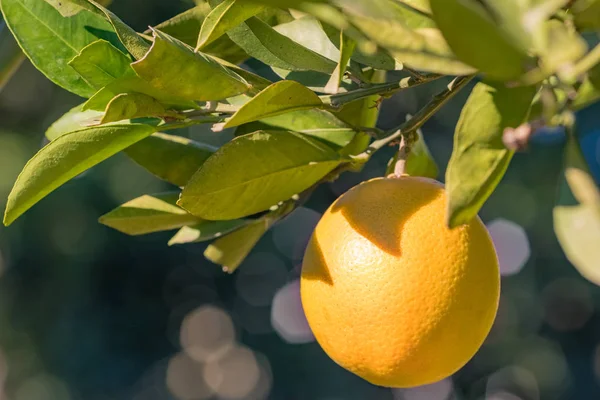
column 390, row 292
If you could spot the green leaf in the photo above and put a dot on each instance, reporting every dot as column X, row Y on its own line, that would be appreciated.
column 279, row 98
column 135, row 84
column 589, row 91
column 254, row 172
column 577, row 214
column 174, row 159
column 264, row 43
column 308, row 32
column 319, row 124
column 562, row 47
column 346, row 50
column 363, row 112
column 206, row 230
column 148, row 214
column 479, row 158
column 419, row 5
column 66, row 157
column 132, row 105
column 75, row 119
column 227, row 15
column 173, row 67
column 229, row 251
column 420, row 161
column 587, row 14
column 50, row 41
column 100, row 63
column 478, row 40
column 185, row 26
column 133, row 42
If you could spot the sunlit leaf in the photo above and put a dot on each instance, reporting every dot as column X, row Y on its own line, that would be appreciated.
column 75, row 119
column 172, row 158
column 149, row 214
column 100, row 63
column 480, row 159
column 66, row 157
column 132, row 105
column 206, row 230
column 254, row 172
column 347, row 46
column 227, row 15
column 173, row 67
column 279, row 98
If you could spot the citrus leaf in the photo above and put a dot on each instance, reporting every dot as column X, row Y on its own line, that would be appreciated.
column 148, row 214
column 185, row 26
column 231, row 250
column 132, row 105
column 206, row 230
column 478, row 40
column 254, row 172
column 587, row 14
column 75, row 119
column 347, row 46
column 279, row 98
column 480, row 159
column 174, row 159
column 319, row 124
column 66, row 157
column 363, row 112
column 577, row 214
column 100, row 63
column 264, row 43
column 133, row 42
column 308, row 32
column 227, row 15
column 173, row 67
column 419, row 5
column 50, row 41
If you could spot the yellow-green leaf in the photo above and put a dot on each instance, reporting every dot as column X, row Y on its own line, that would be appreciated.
column 132, row 105
column 206, row 230
column 227, row 15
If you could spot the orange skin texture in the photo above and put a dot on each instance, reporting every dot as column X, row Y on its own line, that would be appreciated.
column 390, row 292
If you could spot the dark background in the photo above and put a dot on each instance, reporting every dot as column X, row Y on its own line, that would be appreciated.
column 88, row 313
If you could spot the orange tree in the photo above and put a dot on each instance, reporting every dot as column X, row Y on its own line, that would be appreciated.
column 531, row 63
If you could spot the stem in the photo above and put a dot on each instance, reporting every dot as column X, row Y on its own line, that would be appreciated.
column 388, row 88
column 403, row 153
column 589, row 61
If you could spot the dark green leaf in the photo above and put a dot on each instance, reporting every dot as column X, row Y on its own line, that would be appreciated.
column 479, row 158
column 477, row 40
column 174, row 159
column 100, row 63
column 206, row 230
column 225, row 16
column 229, row 251
column 132, row 105
column 51, row 42
column 254, row 172
column 264, row 43
column 279, row 98
column 149, row 214
column 74, row 120
column 173, row 67
column 66, row 157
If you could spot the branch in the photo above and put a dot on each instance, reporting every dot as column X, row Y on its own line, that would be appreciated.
column 388, row 88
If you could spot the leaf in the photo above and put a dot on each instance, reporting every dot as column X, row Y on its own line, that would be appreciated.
column 478, row 40
column 577, row 214
column 229, row 251
column 319, row 124
column 174, row 159
column 227, row 15
column 135, row 84
column 185, row 26
column 589, row 91
column 279, row 98
column 479, row 158
column 562, row 48
column 254, row 172
column 148, row 214
column 66, row 157
column 419, row 162
column 587, row 14
column 265, row 44
column 206, row 230
column 364, row 112
column 419, row 5
column 50, row 42
column 133, row 42
column 75, row 119
column 173, row 67
column 346, row 50
column 100, row 63
column 308, row 32
column 132, row 105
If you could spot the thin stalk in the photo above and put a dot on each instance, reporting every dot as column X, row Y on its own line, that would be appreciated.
column 589, row 61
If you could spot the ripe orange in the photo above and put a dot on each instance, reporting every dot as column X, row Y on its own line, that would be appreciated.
column 390, row 292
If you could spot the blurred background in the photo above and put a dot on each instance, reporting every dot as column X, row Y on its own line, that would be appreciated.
column 87, row 313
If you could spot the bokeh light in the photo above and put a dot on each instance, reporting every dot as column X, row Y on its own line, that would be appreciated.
column 441, row 390
column 234, row 375
column 185, row 379
column 513, row 380
column 42, row 387
column 207, row 333
column 259, row 277
column 512, row 245
column 287, row 315
column 567, row 304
